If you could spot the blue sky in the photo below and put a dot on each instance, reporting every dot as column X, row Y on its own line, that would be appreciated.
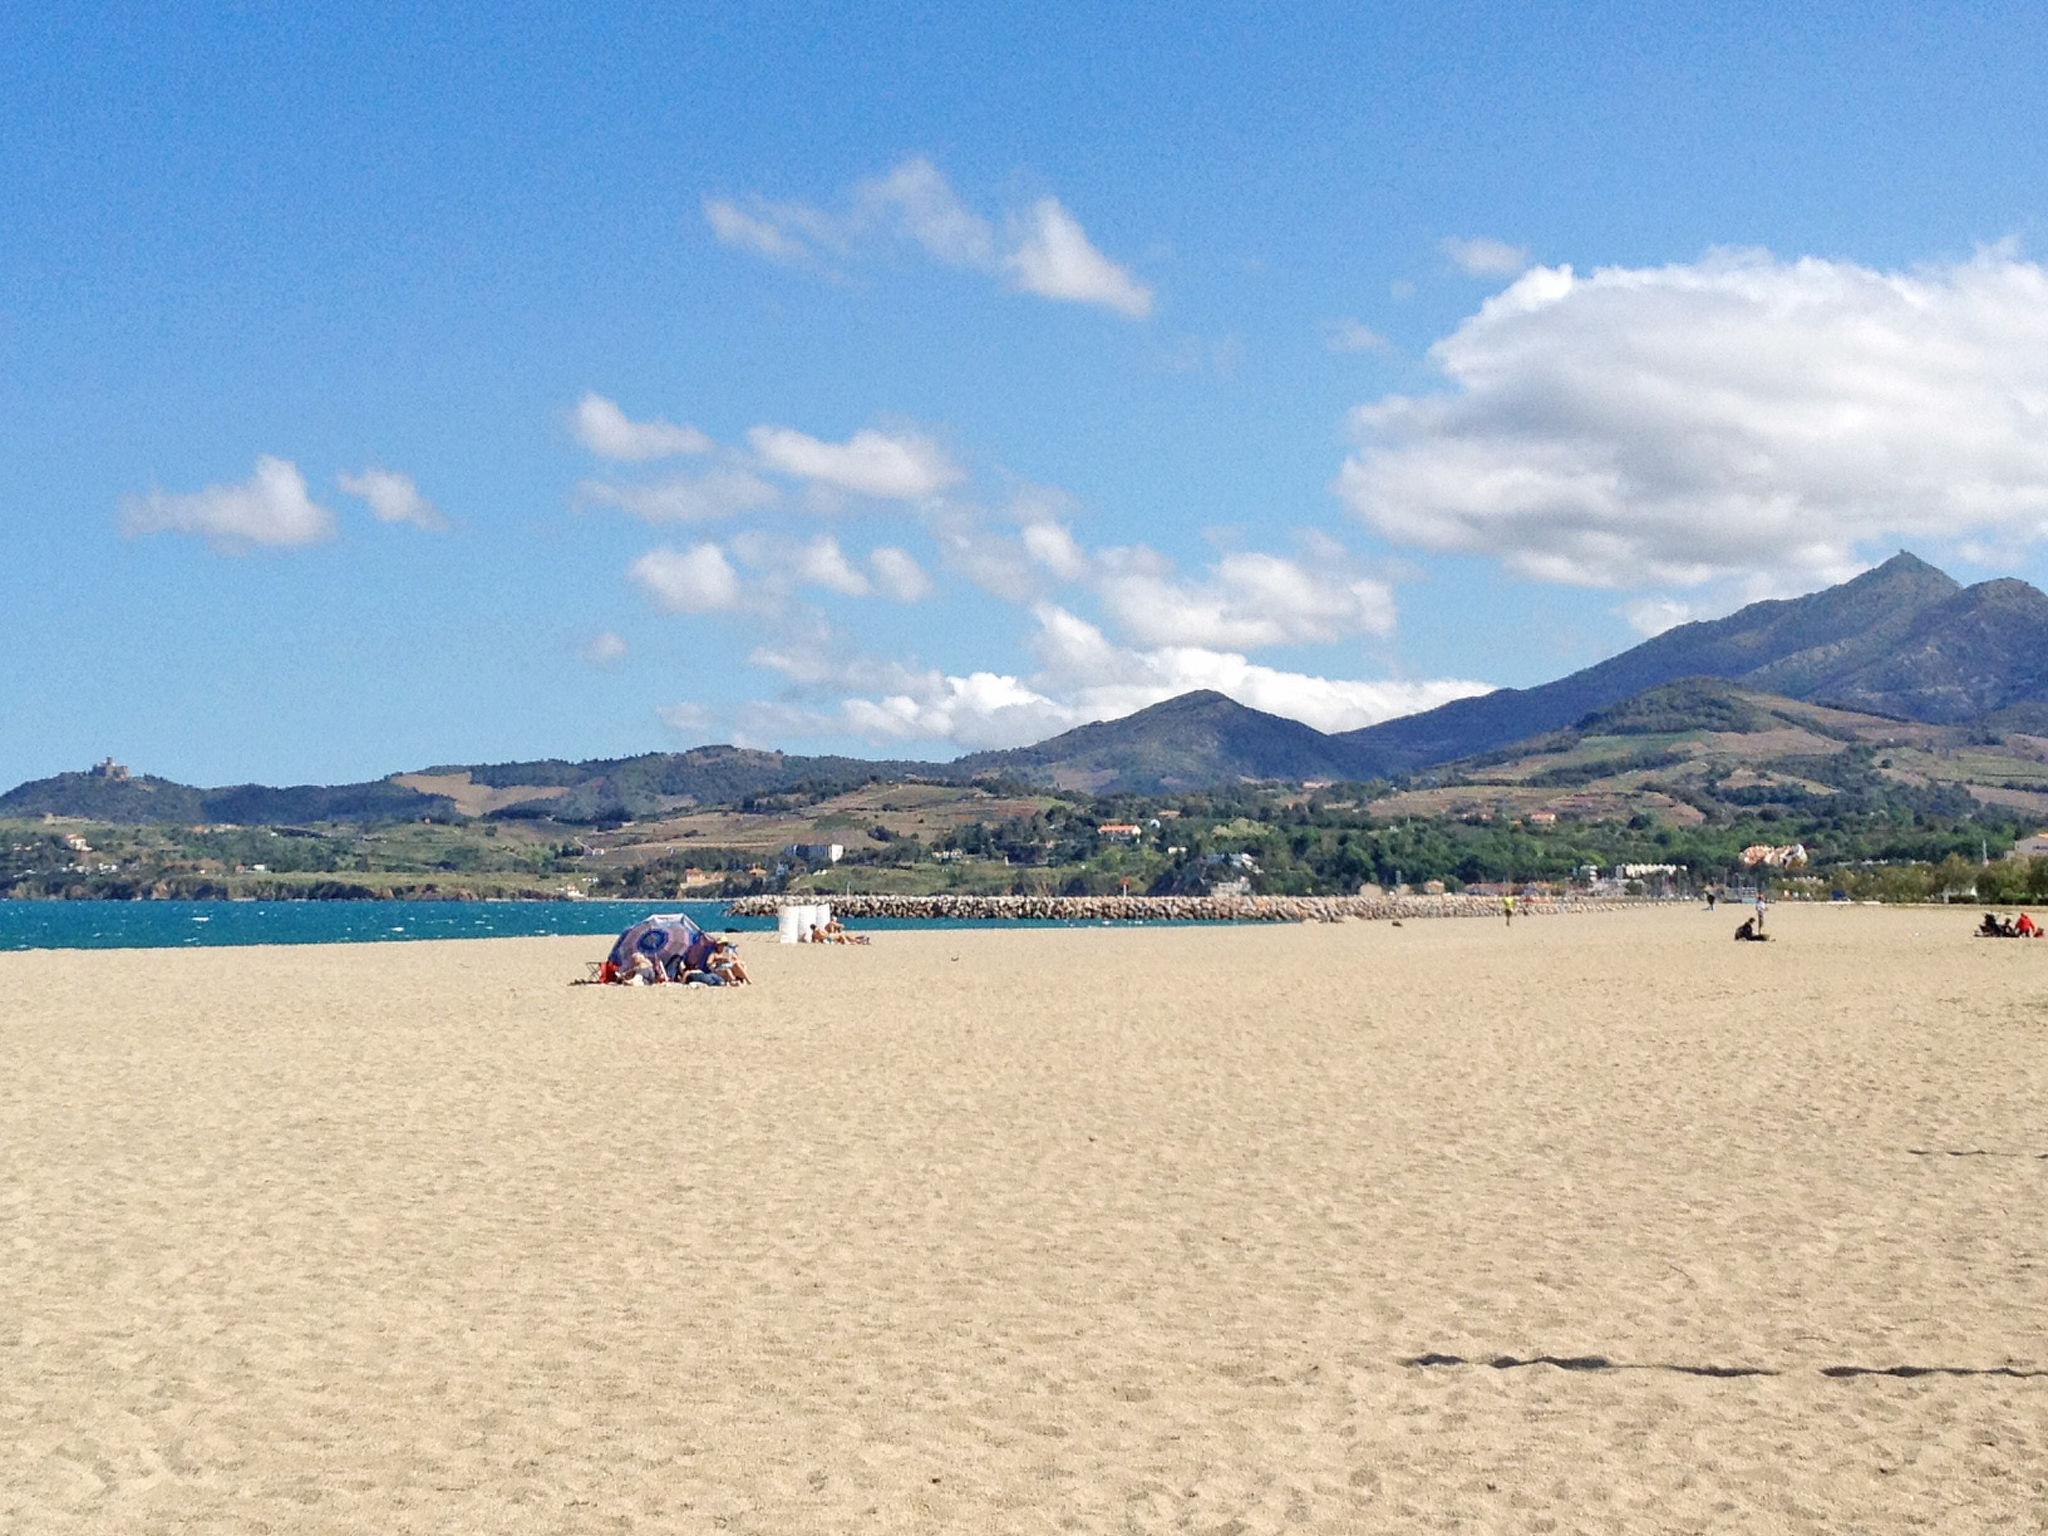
column 383, row 390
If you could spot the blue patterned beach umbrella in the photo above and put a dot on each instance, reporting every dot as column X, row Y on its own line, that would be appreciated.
column 664, row 937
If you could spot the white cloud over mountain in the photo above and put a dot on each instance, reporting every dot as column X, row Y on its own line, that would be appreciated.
column 1041, row 249
column 1085, row 676
column 1249, row 601
column 271, row 509
column 1736, row 417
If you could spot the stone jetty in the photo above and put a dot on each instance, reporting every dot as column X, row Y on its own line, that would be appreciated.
column 1166, row 909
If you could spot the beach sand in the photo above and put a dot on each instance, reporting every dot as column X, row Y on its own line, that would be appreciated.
column 1037, row 1231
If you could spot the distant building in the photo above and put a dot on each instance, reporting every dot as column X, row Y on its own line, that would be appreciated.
column 107, row 768
column 815, row 854
column 1120, row 831
column 1543, row 818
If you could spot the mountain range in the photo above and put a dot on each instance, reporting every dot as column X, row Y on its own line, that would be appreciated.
column 1903, row 641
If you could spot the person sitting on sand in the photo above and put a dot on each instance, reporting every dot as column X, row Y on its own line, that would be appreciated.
column 1988, row 929
column 725, row 962
column 642, row 970
column 2026, row 927
column 837, row 933
column 1748, row 933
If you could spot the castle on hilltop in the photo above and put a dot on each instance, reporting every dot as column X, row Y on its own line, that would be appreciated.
column 107, row 768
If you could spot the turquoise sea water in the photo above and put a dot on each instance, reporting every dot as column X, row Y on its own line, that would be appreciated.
column 201, row 924
column 177, row 924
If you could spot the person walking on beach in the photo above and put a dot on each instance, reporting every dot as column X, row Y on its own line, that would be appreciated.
column 1507, row 908
column 1759, row 911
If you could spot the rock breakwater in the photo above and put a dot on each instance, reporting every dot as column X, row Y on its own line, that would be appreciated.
column 1172, row 909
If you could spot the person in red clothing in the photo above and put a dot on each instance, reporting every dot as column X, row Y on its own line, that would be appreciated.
column 2027, row 928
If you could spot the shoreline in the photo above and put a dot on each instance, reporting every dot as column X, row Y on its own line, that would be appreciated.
column 1183, row 909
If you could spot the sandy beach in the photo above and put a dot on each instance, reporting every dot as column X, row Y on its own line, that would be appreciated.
column 1601, row 1224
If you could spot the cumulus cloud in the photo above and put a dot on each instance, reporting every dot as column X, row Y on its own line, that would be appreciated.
column 1054, row 259
column 271, row 509
column 1082, row 676
column 602, row 650
column 709, row 497
column 1052, row 546
column 1651, row 616
column 1484, row 257
column 870, row 463
column 1041, row 249
column 899, row 575
column 1249, row 601
column 695, row 580
column 1736, row 417
column 822, row 563
column 393, row 498
column 610, row 433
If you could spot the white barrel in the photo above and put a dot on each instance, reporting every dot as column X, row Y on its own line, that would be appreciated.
column 787, row 920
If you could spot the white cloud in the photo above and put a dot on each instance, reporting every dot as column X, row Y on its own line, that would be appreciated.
column 919, row 203
column 870, row 463
column 981, row 709
column 1650, row 616
column 1736, row 417
column 705, row 498
column 601, row 650
column 1043, row 249
column 393, row 498
column 697, row 580
column 1354, row 336
column 687, row 718
column 822, row 563
column 761, row 235
column 1053, row 547
column 610, row 433
column 899, row 575
column 1054, row 259
column 1249, row 601
column 270, row 509
column 1484, row 257
column 1084, row 676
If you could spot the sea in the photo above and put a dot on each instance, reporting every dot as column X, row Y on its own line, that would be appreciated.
column 223, row 924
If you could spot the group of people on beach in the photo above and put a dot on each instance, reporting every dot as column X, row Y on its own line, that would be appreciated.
column 1994, row 928
column 719, row 967
column 831, row 931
